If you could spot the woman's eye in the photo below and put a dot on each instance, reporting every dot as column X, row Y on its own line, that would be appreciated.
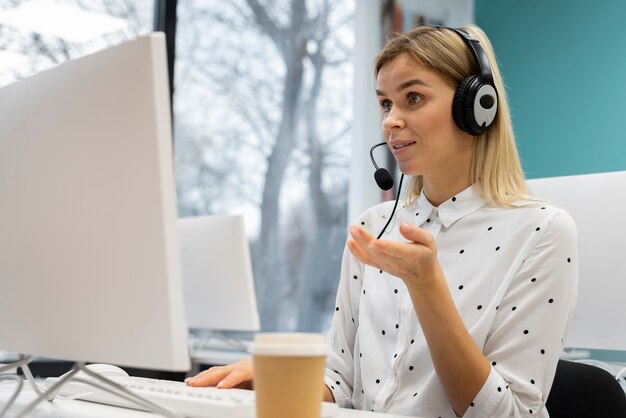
column 413, row 98
column 385, row 105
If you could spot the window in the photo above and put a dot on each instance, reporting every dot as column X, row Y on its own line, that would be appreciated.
column 38, row 34
column 263, row 115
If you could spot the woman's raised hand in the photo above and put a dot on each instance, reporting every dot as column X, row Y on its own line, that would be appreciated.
column 415, row 261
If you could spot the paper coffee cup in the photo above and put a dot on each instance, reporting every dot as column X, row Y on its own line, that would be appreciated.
column 289, row 374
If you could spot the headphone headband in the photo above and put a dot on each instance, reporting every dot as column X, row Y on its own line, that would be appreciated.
column 478, row 52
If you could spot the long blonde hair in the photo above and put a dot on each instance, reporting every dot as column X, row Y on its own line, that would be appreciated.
column 495, row 168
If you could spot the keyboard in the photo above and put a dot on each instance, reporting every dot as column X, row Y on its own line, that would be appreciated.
column 193, row 402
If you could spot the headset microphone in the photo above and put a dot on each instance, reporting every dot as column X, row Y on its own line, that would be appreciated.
column 382, row 176
column 385, row 181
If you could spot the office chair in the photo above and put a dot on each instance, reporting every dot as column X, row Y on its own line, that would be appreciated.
column 584, row 391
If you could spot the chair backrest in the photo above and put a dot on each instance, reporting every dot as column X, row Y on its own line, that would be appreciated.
column 601, row 286
column 582, row 390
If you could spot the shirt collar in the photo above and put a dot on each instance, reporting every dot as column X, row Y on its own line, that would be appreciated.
column 453, row 209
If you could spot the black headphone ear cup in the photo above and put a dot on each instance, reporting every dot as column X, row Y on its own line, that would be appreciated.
column 463, row 103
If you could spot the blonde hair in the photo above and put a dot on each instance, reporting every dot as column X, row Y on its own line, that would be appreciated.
column 496, row 169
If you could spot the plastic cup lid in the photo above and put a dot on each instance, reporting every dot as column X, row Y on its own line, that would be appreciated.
column 294, row 344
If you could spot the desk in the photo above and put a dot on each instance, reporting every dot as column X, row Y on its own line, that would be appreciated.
column 75, row 409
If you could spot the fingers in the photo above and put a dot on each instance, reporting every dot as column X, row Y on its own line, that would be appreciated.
column 360, row 252
column 417, row 235
column 410, row 232
column 233, row 375
column 360, row 237
column 240, row 377
column 209, row 377
column 369, row 250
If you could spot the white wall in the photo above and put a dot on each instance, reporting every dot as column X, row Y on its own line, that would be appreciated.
column 449, row 12
column 367, row 131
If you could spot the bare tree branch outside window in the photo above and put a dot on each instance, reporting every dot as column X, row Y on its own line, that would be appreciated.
column 26, row 52
column 263, row 114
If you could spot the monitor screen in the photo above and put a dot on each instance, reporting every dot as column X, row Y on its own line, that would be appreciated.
column 89, row 257
column 217, row 273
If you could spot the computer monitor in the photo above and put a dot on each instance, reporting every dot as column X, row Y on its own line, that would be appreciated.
column 89, row 256
column 217, row 274
column 597, row 203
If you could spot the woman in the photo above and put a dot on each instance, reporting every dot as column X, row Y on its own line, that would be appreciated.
column 461, row 308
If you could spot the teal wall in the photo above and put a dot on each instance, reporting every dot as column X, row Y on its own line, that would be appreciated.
column 564, row 64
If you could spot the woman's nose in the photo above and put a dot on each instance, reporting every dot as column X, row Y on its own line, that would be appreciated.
column 393, row 120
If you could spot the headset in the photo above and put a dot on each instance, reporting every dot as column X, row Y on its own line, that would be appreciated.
column 475, row 102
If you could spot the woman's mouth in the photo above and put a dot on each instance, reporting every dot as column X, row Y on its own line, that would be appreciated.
column 400, row 146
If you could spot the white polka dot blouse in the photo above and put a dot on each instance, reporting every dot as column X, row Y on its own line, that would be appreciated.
column 513, row 276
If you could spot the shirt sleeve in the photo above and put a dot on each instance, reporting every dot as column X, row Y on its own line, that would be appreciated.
column 526, row 339
column 339, row 373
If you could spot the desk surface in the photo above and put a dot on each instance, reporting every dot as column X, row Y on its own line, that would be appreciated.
column 71, row 408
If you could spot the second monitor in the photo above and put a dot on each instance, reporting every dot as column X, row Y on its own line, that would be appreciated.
column 217, row 274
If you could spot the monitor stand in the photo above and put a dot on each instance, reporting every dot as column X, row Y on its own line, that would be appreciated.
column 51, row 393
